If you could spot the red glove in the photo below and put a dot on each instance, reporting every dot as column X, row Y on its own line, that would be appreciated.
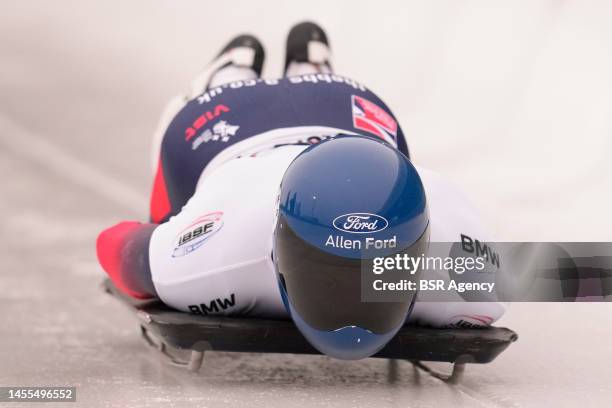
column 117, row 248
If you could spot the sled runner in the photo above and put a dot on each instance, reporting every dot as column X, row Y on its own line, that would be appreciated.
column 167, row 329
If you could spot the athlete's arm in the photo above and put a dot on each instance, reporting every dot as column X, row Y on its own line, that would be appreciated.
column 160, row 206
column 452, row 217
column 123, row 252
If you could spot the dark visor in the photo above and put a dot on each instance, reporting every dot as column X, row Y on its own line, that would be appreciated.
column 325, row 289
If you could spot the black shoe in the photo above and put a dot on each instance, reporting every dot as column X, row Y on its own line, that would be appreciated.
column 297, row 44
column 248, row 41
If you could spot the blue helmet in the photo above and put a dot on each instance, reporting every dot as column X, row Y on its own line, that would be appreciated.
column 343, row 201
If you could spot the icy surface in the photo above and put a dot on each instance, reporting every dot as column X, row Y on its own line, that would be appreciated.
column 511, row 101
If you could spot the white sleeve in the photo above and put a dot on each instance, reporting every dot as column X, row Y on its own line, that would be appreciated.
column 214, row 257
column 453, row 217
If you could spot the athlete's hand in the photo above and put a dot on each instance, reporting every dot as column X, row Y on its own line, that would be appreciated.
column 117, row 247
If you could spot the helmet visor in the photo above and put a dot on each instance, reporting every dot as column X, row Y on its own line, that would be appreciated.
column 325, row 289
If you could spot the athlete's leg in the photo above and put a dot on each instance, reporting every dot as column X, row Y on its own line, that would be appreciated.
column 241, row 59
column 307, row 51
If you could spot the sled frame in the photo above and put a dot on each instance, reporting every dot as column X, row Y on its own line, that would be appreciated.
column 170, row 332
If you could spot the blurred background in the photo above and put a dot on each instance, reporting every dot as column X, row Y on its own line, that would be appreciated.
column 512, row 101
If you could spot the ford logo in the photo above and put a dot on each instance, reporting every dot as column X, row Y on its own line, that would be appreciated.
column 360, row 223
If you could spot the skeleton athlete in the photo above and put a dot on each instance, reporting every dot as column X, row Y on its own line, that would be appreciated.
column 222, row 229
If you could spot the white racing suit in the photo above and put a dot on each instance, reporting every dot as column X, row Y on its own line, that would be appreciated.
column 221, row 159
column 229, row 269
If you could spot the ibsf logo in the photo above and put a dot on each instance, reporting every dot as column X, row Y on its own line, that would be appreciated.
column 360, row 223
column 195, row 234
